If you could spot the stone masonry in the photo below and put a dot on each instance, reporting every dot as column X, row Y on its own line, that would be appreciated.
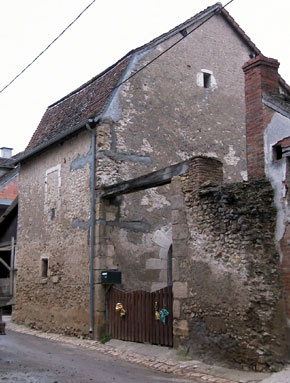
column 227, row 294
column 164, row 115
column 225, row 262
column 54, row 203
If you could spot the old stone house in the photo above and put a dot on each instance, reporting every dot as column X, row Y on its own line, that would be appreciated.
column 8, row 237
column 111, row 180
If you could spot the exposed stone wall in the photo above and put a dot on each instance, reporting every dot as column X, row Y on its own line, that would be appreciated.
column 164, row 115
column 134, row 230
column 160, row 117
column 227, row 292
column 136, row 237
column 54, row 210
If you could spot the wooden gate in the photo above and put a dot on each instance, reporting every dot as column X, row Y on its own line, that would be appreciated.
column 138, row 323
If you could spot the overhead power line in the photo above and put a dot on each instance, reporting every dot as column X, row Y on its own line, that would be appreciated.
column 49, row 45
column 133, row 74
column 173, row 45
column 166, row 50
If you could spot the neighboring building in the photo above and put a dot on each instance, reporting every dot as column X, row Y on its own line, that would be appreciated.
column 8, row 237
column 268, row 131
column 8, row 225
column 188, row 103
column 8, row 179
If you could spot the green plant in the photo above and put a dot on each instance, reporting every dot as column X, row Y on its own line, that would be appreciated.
column 106, row 338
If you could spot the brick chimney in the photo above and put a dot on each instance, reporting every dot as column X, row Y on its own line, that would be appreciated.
column 261, row 76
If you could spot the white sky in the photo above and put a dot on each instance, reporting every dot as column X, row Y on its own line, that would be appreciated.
column 106, row 32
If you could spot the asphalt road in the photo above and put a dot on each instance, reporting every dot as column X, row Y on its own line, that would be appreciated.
column 29, row 359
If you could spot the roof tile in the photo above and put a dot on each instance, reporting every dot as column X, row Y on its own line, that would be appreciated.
column 90, row 99
column 280, row 100
column 87, row 101
column 6, row 163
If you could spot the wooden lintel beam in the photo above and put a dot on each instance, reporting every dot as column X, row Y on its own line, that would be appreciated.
column 158, row 178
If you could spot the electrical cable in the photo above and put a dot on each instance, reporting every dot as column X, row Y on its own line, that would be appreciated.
column 49, row 45
column 133, row 74
column 165, row 51
column 173, row 45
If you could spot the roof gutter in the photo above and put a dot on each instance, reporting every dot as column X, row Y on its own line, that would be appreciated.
column 275, row 107
column 60, row 137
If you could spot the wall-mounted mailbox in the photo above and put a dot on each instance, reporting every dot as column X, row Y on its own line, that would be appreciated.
column 111, row 277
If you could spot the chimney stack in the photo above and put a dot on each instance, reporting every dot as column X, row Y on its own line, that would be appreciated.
column 261, row 76
column 6, row 152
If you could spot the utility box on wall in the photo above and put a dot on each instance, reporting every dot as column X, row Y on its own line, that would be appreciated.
column 111, row 277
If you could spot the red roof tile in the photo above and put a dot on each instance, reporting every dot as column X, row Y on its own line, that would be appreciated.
column 90, row 99
column 87, row 101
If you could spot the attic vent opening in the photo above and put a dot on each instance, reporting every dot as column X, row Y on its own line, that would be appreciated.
column 44, row 267
column 205, row 79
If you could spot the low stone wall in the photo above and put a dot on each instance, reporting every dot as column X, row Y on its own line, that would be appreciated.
column 227, row 292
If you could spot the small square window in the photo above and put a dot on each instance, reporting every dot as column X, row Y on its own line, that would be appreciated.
column 205, row 79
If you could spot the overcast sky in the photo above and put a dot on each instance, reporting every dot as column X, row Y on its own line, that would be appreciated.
column 106, row 32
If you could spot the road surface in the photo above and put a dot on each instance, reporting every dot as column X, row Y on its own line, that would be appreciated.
column 30, row 359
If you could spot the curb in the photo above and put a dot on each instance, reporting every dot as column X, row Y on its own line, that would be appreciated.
column 185, row 369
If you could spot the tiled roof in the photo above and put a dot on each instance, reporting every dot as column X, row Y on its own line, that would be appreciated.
column 16, row 156
column 284, row 84
column 216, row 7
column 87, row 101
column 250, row 43
column 280, row 100
column 6, row 163
column 240, row 31
column 8, row 176
column 90, row 99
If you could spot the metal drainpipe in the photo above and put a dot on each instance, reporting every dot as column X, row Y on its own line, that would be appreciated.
column 92, row 226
